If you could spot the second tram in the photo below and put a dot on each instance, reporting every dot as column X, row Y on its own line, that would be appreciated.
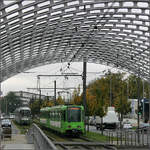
column 23, row 115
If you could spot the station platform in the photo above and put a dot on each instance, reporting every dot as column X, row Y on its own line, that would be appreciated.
column 17, row 141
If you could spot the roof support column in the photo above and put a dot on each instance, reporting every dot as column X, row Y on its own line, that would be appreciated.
column 138, row 116
column 84, row 86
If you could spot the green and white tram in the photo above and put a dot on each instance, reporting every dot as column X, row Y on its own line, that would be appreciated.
column 66, row 119
column 23, row 115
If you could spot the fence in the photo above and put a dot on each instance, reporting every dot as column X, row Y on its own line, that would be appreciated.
column 39, row 139
column 138, row 138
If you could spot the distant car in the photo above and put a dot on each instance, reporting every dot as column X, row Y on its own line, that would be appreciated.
column 92, row 121
column 144, row 126
column 2, row 117
column 6, row 128
column 6, row 117
column 127, row 126
column 12, row 117
column 6, row 123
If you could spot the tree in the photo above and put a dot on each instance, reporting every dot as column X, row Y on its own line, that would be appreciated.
column 99, row 90
column 91, row 103
column 47, row 103
column 36, row 103
column 60, row 101
column 133, row 90
column 76, row 97
column 122, row 105
column 35, row 107
column 10, row 102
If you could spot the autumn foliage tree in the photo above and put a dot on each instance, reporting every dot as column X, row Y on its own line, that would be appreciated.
column 47, row 103
column 133, row 82
column 91, row 103
column 99, row 91
column 60, row 101
column 35, row 107
column 76, row 97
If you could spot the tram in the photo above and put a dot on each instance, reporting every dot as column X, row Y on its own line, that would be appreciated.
column 66, row 119
column 23, row 115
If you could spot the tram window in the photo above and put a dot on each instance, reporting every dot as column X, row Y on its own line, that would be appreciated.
column 63, row 115
column 55, row 116
column 58, row 116
column 74, row 114
column 52, row 115
column 25, row 113
column 46, row 114
column 83, row 115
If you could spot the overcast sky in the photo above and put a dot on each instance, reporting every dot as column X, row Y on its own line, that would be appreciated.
column 23, row 81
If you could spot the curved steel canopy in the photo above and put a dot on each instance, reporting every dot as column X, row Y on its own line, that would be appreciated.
column 110, row 32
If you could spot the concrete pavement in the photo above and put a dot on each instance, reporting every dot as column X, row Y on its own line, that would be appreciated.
column 16, row 142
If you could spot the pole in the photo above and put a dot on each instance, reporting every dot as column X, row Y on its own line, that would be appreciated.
column 128, row 89
column 39, row 99
column 143, row 113
column 58, row 75
column 84, row 87
column 138, row 116
column 55, row 92
column 0, row 105
column 149, row 71
column 149, row 108
column 6, row 106
column 143, row 110
column 1, row 5
column 110, row 91
column 38, row 87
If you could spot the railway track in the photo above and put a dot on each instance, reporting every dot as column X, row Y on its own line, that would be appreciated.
column 83, row 146
column 75, row 143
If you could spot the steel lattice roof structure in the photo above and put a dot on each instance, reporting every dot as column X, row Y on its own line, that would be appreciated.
column 109, row 32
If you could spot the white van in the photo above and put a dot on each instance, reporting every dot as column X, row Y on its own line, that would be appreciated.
column 110, row 121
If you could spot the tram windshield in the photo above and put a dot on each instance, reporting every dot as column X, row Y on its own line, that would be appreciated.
column 25, row 113
column 74, row 114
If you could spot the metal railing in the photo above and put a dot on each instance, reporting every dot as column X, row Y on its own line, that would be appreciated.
column 41, row 142
column 129, row 138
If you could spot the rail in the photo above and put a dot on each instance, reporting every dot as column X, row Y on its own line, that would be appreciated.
column 129, row 138
column 41, row 142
